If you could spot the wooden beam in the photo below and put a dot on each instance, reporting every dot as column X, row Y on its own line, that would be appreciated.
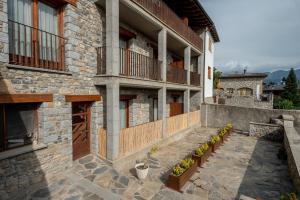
column 25, row 98
column 82, row 98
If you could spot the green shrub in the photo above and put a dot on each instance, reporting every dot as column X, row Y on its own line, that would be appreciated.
column 214, row 139
column 177, row 170
column 289, row 196
column 186, row 163
column 202, row 149
column 283, row 104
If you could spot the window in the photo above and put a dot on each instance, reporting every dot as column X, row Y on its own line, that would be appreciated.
column 230, row 90
column 18, row 125
column 35, row 34
column 245, row 92
column 209, row 72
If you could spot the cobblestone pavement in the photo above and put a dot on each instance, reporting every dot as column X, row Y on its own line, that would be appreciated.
column 243, row 166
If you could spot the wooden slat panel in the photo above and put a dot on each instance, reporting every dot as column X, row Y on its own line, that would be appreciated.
column 177, row 123
column 194, row 117
column 102, row 142
column 138, row 137
column 25, row 98
column 82, row 98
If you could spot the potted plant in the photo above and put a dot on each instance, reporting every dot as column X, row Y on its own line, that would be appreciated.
column 229, row 127
column 202, row 153
column 215, row 142
column 224, row 134
column 142, row 169
column 181, row 173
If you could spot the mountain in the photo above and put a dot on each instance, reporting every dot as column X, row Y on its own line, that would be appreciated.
column 277, row 76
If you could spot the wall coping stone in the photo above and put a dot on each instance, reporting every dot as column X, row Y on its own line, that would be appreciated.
column 288, row 118
column 265, row 124
column 37, row 69
column 22, row 150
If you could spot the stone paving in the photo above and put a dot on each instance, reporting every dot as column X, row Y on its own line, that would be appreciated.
column 243, row 166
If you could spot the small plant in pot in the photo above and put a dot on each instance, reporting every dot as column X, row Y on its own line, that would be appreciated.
column 142, row 169
column 215, row 142
column 201, row 154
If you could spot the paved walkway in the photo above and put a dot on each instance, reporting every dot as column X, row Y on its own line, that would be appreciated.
column 243, row 166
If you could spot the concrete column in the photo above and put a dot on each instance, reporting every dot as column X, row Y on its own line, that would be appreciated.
column 201, row 72
column 4, row 50
column 112, row 37
column 162, row 109
column 113, row 119
column 162, row 53
column 187, row 63
column 186, row 101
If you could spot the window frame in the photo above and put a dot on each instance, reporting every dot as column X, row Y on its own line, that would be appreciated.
column 34, row 60
column 3, row 122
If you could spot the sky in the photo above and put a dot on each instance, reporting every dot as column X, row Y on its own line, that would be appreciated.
column 260, row 35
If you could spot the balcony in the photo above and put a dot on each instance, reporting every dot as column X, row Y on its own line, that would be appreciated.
column 176, row 75
column 195, row 78
column 160, row 10
column 29, row 46
column 132, row 64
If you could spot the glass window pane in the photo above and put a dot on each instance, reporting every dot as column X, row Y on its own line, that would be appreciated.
column 123, row 115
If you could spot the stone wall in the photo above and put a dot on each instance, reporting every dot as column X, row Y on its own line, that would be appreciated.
column 219, row 115
column 272, row 132
column 249, row 102
column 32, row 169
column 291, row 144
column 195, row 101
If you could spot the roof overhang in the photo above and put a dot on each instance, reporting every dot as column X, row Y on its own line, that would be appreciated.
column 198, row 18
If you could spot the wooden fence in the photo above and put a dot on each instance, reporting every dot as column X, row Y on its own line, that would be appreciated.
column 138, row 137
column 177, row 123
column 102, row 142
column 194, row 117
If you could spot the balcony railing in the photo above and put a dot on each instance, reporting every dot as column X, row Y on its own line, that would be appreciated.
column 176, row 75
column 160, row 10
column 29, row 46
column 195, row 78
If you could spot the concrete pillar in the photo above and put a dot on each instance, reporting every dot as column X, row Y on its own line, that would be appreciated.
column 4, row 50
column 187, row 63
column 201, row 72
column 112, row 37
column 162, row 109
column 186, row 101
column 113, row 119
column 162, row 53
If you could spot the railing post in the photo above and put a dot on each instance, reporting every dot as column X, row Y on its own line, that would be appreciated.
column 187, row 63
column 112, row 38
column 162, row 53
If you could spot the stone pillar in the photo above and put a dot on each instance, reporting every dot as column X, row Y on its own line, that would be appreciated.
column 162, row 109
column 4, row 52
column 187, row 63
column 186, row 101
column 288, row 121
column 112, row 37
column 162, row 53
column 113, row 119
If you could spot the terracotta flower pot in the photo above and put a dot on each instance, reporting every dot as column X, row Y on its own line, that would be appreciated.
column 177, row 182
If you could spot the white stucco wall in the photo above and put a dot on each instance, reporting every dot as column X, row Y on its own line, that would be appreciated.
column 209, row 62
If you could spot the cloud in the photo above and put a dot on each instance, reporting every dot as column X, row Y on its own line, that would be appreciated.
column 261, row 35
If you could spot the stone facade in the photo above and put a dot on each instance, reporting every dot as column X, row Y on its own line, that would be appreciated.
column 272, row 132
column 229, row 90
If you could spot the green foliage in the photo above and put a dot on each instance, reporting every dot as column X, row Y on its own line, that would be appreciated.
column 280, row 103
column 202, row 149
column 291, row 89
column 183, row 166
column 214, row 139
column 289, row 196
column 154, row 149
column 177, row 170
column 217, row 75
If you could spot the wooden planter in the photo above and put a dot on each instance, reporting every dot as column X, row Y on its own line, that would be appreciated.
column 177, row 182
column 202, row 159
column 216, row 146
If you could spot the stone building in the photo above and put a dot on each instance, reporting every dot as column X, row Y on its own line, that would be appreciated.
column 244, row 90
column 78, row 76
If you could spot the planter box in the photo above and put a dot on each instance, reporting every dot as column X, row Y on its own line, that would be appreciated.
column 202, row 159
column 216, row 146
column 177, row 182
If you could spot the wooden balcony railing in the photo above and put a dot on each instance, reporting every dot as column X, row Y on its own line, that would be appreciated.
column 160, row 10
column 176, row 75
column 33, row 47
column 138, row 65
column 195, row 78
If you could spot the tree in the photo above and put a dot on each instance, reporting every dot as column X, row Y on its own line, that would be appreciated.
column 291, row 88
column 217, row 75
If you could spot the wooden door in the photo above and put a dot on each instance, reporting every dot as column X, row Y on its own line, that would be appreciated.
column 176, row 109
column 81, row 118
